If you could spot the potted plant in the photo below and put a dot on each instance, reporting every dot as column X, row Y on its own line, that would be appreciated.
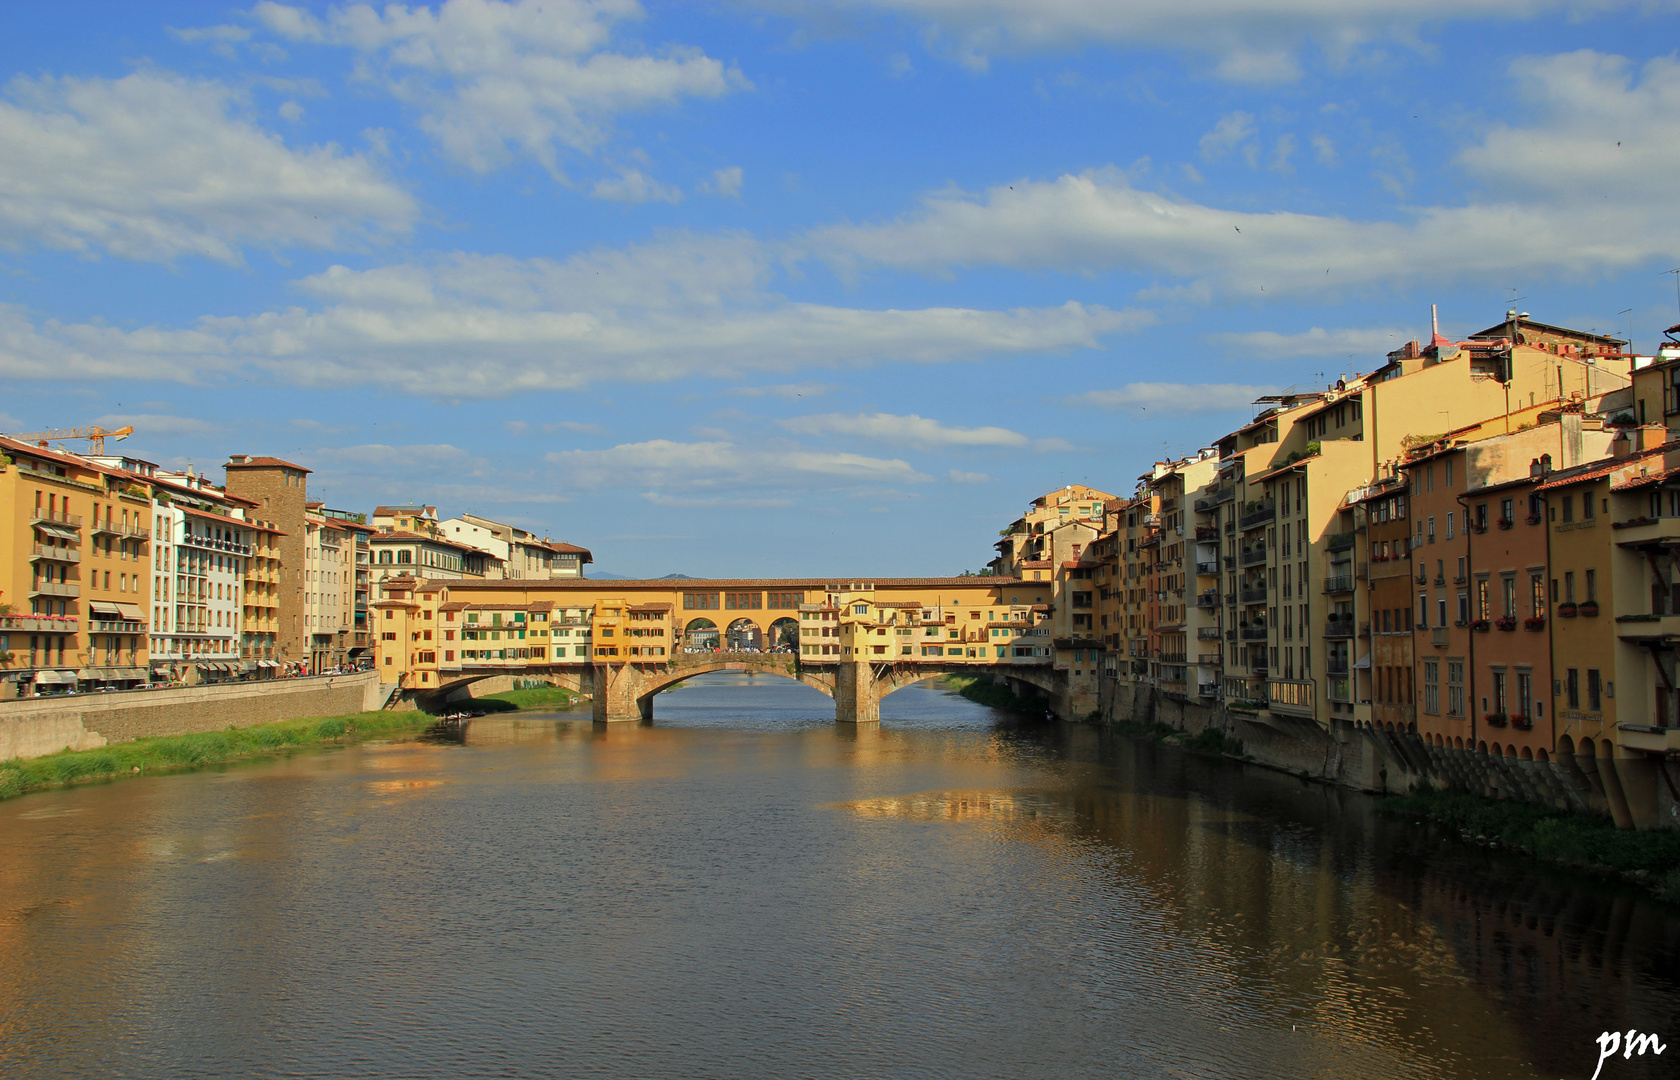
column 1533, row 519
column 1506, row 523
column 1589, row 609
column 1567, row 611
column 1522, row 723
column 1508, row 622
column 1480, row 626
column 1535, row 622
column 1495, row 719
column 1478, row 526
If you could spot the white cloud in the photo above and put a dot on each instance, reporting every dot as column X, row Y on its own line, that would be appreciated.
column 495, row 81
column 476, row 326
column 785, row 391
column 1362, row 343
column 153, row 166
column 635, row 186
column 1248, row 42
column 960, row 477
column 1557, row 196
column 1171, row 398
column 1232, row 131
column 909, row 430
column 576, row 427
column 691, row 468
column 725, row 183
column 156, row 425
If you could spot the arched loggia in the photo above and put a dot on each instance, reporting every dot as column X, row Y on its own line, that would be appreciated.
column 784, row 635
column 744, row 635
column 700, row 635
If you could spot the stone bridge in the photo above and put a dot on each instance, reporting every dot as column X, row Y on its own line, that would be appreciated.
column 626, row 691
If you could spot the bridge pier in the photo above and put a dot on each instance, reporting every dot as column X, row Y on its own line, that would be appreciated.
column 857, row 695
column 621, row 694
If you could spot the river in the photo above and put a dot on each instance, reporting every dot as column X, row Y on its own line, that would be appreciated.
column 742, row 889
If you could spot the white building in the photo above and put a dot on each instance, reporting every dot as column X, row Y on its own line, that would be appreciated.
column 201, row 545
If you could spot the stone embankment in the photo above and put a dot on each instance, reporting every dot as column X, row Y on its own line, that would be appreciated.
column 33, row 727
column 1384, row 762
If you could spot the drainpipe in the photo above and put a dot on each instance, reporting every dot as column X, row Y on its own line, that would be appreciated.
column 1469, row 561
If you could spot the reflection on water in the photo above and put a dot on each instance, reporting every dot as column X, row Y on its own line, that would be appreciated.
column 744, row 889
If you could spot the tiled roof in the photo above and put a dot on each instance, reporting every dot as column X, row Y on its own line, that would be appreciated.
column 261, row 463
column 1646, row 480
column 1597, row 470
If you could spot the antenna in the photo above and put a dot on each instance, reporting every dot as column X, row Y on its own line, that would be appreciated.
column 1629, row 313
column 1676, row 273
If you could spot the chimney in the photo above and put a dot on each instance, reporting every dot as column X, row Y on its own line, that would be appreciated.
column 1650, row 436
column 1621, row 446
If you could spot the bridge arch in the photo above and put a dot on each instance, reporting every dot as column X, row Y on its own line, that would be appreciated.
column 701, row 635
column 744, row 635
column 784, row 631
column 629, row 690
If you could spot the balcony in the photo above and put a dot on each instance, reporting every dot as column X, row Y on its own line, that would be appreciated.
column 1206, row 534
column 1294, row 696
column 1207, row 690
column 1439, row 637
column 1208, row 633
column 1208, row 567
column 1253, row 556
column 1252, row 596
column 1339, row 690
column 46, row 624
column 56, row 554
column 1208, row 600
column 1210, row 659
column 55, row 517
column 1252, row 633
column 1258, row 517
column 1339, row 628
column 1336, row 665
column 116, row 626
column 1339, row 583
column 212, row 544
column 55, row 588
column 110, row 527
column 1339, row 542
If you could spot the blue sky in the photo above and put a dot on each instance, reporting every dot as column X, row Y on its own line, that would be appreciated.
column 786, row 288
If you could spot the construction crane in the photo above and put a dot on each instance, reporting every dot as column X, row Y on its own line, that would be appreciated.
column 95, row 436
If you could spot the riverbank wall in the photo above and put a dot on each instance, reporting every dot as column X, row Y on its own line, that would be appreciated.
column 1385, row 762
column 32, row 727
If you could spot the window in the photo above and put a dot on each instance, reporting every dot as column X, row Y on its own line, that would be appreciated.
column 1448, row 466
column 1569, row 586
column 700, row 601
column 1455, row 687
column 1431, row 528
column 1536, row 595
column 1568, row 504
column 1593, row 687
column 1587, row 506
column 1573, row 688
column 1423, row 611
column 1449, row 524
column 1525, row 694
column 1508, row 584
column 1432, row 686
column 1592, row 586
column 1499, row 692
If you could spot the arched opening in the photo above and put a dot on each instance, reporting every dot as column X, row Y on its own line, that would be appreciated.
column 1481, row 748
column 784, row 635
column 1541, row 755
column 1527, row 754
column 744, row 636
column 1458, row 742
column 700, row 635
column 1566, row 746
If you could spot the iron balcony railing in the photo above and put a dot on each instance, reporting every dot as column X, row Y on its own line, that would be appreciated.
column 1339, row 583
column 1338, row 628
column 1252, row 596
column 1258, row 517
column 1253, row 633
column 1252, row 556
column 119, row 528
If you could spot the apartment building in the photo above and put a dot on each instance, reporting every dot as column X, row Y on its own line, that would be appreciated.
column 1382, row 554
column 276, row 492
column 201, row 548
column 523, row 555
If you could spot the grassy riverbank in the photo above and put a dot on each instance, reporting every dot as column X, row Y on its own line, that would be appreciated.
column 171, row 753
column 1580, row 841
column 980, row 689
column 541, row 697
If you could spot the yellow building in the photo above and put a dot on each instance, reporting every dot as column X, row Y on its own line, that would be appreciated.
column 74, row 572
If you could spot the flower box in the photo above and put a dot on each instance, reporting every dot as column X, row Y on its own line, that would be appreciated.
column 1506, row 523
column 1522, row 723
column 1589, row 609
column 1495, row 719
column 1533, row 519
column 1478, row 526
column 1537, row 622
column 1480, row 626
column 1567, row 611
column 1507, row 623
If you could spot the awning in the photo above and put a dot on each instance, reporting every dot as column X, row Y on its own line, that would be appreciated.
column 131, row 612
column 101, row 607
column 1364, row 663
column 163, row 671
column 60, row 531
column 88, row 674
column 247, row 665
column 47, row 678
column 126, row 674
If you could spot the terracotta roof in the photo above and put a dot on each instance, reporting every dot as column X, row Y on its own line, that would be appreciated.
column 618, row 586
column 401, row 536
column 1597, row 470
column 1646, row 480
column 643, row 608
column 262, row 463
column 1038, row 564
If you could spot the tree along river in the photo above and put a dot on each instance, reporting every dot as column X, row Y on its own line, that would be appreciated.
column 742, row 889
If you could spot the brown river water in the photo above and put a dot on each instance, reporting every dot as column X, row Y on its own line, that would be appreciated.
column 742, row 889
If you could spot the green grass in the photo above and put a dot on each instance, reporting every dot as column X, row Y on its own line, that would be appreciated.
column 1583, row 841
column 1213, row 741
column 542, row 697
column 175, row 752
column 981, row 689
